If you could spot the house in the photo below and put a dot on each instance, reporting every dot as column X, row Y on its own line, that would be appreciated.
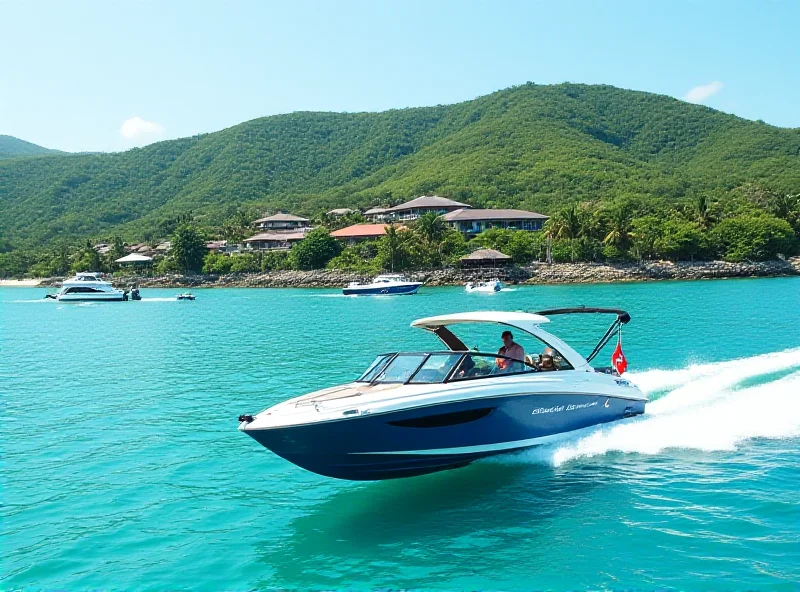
column 411, row 210
column 471, row 222
column 376, row 214
column 338, row 212
column 270, row 241
column 360, row 232
column 282, row 222
column 222, row 246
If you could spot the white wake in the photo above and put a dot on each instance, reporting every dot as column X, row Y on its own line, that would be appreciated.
column 709, row 407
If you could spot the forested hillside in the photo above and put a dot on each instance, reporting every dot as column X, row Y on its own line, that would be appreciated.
column 11, row 147
column 533, row 147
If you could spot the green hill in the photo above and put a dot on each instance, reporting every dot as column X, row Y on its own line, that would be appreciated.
column 11, row 147
column 535, row 147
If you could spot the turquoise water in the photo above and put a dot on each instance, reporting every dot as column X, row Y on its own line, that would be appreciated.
column 122, row 467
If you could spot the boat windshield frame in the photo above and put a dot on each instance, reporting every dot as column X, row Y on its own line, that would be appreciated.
column 383, row 361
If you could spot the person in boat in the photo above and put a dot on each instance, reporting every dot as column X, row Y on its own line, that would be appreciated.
column 513, row 350
column 546, row 361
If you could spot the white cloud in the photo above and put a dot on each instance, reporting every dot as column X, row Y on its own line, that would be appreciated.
column 700, row 93
column 136, row 128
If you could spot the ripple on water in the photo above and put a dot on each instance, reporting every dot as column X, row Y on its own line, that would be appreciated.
column 122, row 465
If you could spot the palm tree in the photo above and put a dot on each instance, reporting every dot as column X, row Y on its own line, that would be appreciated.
column 702, row 214
column 394, row 244
column 431, row 228
column 620, row 230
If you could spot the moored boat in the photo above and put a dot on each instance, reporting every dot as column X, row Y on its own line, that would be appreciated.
column 88, row 287
column 382, row 285
column 412, row 413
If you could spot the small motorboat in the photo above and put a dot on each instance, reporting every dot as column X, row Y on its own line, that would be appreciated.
column 412, row 413
column 489, row 286
column 185, row 296
column 88, row 287
column 383, row 284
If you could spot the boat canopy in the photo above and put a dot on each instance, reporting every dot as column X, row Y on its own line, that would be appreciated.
column 525, row 321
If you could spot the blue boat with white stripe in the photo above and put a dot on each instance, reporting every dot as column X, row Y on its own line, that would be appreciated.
column 386, row 284
column 412, row 413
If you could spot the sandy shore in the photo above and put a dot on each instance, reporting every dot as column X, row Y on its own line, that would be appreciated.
column 20, row 283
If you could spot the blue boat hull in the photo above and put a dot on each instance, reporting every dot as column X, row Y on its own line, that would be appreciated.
column 407, row 289
column 438, row 437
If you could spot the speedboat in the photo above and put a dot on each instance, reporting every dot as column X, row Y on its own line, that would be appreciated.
column 88, row 286
column 412, row 413
column 491, row 286
column 185, row 296
column 383, row 284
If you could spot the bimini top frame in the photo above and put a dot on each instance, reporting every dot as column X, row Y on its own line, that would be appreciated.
column 623, row 318
column 524, row 321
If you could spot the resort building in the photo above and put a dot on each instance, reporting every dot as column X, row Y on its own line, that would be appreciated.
column 471, row 222
column 282, row 222
column 271, row 241
column 360, row 232
column 338, row 212
column 411, row 210
column 377, row 214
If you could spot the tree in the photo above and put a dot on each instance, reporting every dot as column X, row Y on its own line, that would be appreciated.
column 315, row 250
column 754, row 237
column 236, row 228
column 217, row 263
column 430, row 227
column 88, row 259
column 393, row 249
column 619, row 227
column 188, row 249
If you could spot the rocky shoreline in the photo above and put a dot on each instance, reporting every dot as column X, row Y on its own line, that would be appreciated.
column 541, row 273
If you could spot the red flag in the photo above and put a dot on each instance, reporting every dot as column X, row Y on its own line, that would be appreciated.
column 618, row 359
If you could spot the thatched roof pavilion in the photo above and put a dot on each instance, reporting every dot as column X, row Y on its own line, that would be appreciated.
column 485, row 258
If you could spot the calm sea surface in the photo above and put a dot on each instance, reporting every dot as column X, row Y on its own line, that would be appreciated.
column 122, row 468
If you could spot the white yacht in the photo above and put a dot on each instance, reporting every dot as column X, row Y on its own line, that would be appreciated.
column 88, row 286
column 383, row 284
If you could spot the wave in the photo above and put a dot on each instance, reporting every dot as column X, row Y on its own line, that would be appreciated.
column 707, row 407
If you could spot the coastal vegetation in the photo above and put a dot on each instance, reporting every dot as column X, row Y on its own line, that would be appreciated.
column 624, row 175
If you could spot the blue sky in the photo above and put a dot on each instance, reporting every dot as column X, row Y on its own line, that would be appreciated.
column 86, row 76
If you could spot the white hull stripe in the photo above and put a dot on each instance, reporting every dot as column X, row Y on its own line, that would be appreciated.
column 479, row 448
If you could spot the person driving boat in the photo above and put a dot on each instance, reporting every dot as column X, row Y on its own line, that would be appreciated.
column 512, row 350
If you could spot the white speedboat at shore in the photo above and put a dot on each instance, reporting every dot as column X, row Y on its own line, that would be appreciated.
column 89, row 287
column 489, row 286
column 412, row 413
column 383, row 284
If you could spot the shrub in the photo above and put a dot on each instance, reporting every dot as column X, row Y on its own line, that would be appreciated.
column 754, row 237
column 315, row 250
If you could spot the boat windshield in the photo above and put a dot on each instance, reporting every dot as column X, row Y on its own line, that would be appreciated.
column 432, row 368
column 375, row 367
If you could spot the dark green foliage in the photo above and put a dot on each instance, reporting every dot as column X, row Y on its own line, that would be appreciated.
column 245, row 263
column 88, row 259
column 217, row 263
column 188, row 249
column 275, row 261
column 534, row 147
column 754, row 237
column 316, row 250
